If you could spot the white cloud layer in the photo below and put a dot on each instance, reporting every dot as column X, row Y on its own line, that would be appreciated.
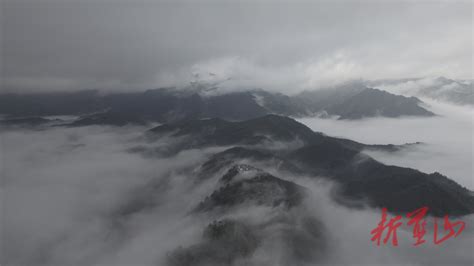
column 64, row 192
column 448, row 139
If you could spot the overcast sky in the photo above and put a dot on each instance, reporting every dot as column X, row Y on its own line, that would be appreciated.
column 71, row 45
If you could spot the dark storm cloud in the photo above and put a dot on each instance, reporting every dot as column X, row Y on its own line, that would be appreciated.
column 66, row 44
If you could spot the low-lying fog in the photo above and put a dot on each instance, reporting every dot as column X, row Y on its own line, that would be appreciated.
column 64, row 190
column 448, row 139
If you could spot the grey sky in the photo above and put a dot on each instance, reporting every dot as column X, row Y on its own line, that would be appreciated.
column 69, row 45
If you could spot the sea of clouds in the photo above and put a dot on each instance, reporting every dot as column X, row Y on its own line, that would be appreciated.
column 447, row 139
column 79, row 196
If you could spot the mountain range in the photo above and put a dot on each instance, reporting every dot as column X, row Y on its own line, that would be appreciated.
column 262, row 163
column 350, row 101
column 257, row 170
column 292, row 147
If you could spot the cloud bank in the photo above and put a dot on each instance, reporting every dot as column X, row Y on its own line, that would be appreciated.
column 71, row 45
column 79, row 196
column 447, row 139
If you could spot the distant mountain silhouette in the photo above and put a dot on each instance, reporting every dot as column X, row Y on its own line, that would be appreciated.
column 355, row 101
column 373, row 102
column 168, row 104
